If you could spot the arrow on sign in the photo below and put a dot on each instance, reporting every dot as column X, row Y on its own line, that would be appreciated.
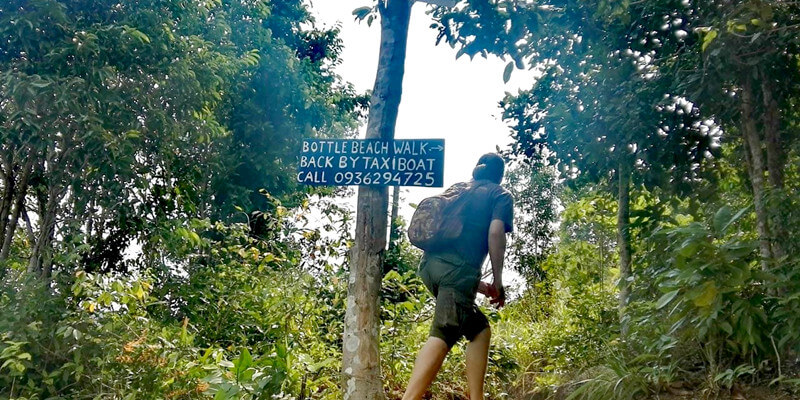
column 440, row 148
column 442, row 3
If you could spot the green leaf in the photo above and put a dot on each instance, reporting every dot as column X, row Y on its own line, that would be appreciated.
column 322, row 364
column 11, row 363
column 9, row 351
column 136, row 34
column 666, row 298
column 689, row 247
column 507, row 71
column 708, row 38
column 244, row 362
column 105, row 299
column 132, row 134
column 734, row 219
column 721, row 218
column 138, row 291
column 361, row 12
column 280, row 350
column 40, row 84
column 707, row 296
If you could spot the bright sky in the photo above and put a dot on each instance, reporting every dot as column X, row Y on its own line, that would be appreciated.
column 456, row 100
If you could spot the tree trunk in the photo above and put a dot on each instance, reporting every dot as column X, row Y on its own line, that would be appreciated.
column 19, row 205
column 393, row 226
column 9, row 186
column 756, row 170
column 624, row 239
column 40, row 262
column 361, row 371
column 775, row 165
column 772, row 133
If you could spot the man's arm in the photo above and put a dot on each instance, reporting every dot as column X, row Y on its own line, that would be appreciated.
column 497, row 251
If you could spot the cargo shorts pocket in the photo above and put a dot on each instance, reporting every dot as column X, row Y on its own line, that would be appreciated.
column 446, row 313
column 447, row 317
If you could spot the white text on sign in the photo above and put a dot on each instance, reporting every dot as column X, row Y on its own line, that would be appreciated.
column 402, row 162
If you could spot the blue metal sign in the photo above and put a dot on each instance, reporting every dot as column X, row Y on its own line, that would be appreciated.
column 371, row 162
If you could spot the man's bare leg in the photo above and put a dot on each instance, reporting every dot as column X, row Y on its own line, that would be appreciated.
column 429, row 360
column 477, row 358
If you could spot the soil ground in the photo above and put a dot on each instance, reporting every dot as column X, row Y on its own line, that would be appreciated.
column 742, row 394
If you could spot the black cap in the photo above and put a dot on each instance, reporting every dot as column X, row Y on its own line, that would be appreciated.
column 491, row 167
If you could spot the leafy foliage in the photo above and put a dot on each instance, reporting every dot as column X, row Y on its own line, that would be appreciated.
column 535, row 193
column 233, row 328
column 117, row 117
column 692, row 99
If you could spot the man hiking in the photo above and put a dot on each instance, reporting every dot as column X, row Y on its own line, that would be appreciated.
column 453, row 274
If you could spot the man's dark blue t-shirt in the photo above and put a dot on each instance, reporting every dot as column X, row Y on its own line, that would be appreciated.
column 484, row 201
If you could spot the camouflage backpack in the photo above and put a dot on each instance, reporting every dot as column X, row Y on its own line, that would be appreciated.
column 437, row 220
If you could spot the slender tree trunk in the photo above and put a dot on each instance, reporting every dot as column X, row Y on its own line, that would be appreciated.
column 602, row 248
column 393, row 228
column 624, row 239
column 361, row 371
column 11, row 227
column 47, row 248
column 775, row 165
column 772, row 133
column 40, row 262
column 19, row 206
column 756, row 170
column 9, row 189
column 28, row 226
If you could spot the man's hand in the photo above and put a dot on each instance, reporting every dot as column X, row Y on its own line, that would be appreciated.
column 498, row 297
column 497, row 249
column 487, row 290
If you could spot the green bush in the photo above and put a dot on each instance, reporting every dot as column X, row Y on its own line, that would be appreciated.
column 231, row 325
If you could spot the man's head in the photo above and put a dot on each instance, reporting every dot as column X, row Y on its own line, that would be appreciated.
column 491, row 167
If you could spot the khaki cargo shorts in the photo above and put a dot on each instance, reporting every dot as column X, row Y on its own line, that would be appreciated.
column 454, row 285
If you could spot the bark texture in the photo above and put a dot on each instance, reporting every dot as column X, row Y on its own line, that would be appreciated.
column 772, row 133
column 41, row 260
column 775, row 165
column 393, row 219
column 9, row 186
column 361, row 371
column 755, row 157
column 10, row 228
column 624, row 238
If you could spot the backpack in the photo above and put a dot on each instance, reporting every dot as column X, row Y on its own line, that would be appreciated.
column 436, row 222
